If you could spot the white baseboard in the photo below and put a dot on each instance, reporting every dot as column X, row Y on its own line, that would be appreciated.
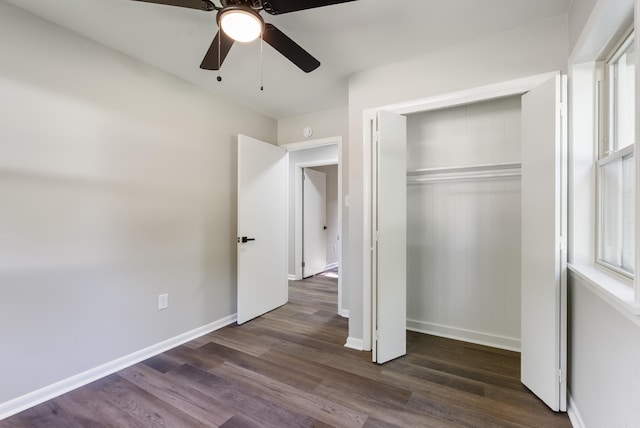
column 574, row 414
column 48, row 392
column 496, row 341
column 331, row 266
column 344, row 313
column 353, row 343
column 292, row 277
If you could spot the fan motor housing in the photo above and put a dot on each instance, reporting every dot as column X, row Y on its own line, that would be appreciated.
column 253, row 4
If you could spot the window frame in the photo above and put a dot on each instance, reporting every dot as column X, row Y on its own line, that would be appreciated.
column 607, row 150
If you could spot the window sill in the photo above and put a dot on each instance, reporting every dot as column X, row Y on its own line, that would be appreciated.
column 612, row 290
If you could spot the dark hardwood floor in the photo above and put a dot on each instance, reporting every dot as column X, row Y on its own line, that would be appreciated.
column 290, row 368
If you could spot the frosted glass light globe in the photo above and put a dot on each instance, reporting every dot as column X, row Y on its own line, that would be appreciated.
column 241, row 25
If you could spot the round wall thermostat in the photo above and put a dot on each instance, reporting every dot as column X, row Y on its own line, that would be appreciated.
column 307, row 131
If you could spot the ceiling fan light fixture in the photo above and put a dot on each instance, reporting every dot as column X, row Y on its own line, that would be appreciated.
column 242, row 24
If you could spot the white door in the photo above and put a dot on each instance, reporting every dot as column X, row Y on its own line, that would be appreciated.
column 262, row 252
column 543, row 328
column 389, row 237
column 314, row 222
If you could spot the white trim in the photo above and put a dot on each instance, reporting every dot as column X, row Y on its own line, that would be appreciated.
column 354, row 343
column 480, row 93
column 56, row 389
column 604, row 26
column 615, row 292
column 331, row 266
column 472, row 95
column 303, row 145
column 574, row 413
column 616, row 154
column 292, row 277
column 298, row 216
column 368, row 316
column 636, row 288
column 480, row 338
column 344, row 313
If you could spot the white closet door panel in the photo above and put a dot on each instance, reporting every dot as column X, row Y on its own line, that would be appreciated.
column 543, row 328
column 391, row 222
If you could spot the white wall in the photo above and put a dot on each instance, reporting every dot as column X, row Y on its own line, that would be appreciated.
column 117, row 183
column 578, row 15
column 325, row 124
column 604, row 337
column 604, row 360
column 537, row 48
column 463, row 236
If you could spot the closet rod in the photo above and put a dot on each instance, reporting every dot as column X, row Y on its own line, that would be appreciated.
column 442, row 177
column 466, row 172
column 466, row 168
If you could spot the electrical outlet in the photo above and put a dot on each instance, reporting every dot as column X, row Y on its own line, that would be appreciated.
column 163, row 301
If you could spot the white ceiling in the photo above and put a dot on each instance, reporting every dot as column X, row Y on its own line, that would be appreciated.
column 345, row 38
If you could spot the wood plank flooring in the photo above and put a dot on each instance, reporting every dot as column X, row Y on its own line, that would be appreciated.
column 289, row 368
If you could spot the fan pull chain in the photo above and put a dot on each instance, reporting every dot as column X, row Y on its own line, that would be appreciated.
column 261, row 62
column 219, row 78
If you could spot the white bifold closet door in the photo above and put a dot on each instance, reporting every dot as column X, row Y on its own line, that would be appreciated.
column 389, row 236
column 543, row 316
column 262, row 213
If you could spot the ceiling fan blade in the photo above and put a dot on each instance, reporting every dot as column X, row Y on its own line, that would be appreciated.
column 290, row 49
column 276, row 7
column 211, row 60
column 191, row 4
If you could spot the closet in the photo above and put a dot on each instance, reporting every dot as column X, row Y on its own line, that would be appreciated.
column 464, row 222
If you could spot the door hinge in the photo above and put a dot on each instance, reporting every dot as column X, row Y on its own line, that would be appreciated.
column 303, row 264
column 563, row 109
column 559, row 374
column 376, row 335
column 562, row 244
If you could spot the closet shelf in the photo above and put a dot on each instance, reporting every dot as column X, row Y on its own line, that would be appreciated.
column 464, row 173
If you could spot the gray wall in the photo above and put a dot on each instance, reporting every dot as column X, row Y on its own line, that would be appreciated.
column 325, row 124
column 117, row 183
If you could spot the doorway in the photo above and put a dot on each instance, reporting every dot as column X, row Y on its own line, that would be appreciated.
column 543, row 225
column 314, row 154
column 320, row 237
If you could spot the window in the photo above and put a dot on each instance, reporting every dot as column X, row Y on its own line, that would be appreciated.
column 616, row 163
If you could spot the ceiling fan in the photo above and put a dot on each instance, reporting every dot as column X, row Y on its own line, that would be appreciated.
column 240, row 20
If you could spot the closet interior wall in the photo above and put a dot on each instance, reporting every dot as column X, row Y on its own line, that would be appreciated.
column 463, row 222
